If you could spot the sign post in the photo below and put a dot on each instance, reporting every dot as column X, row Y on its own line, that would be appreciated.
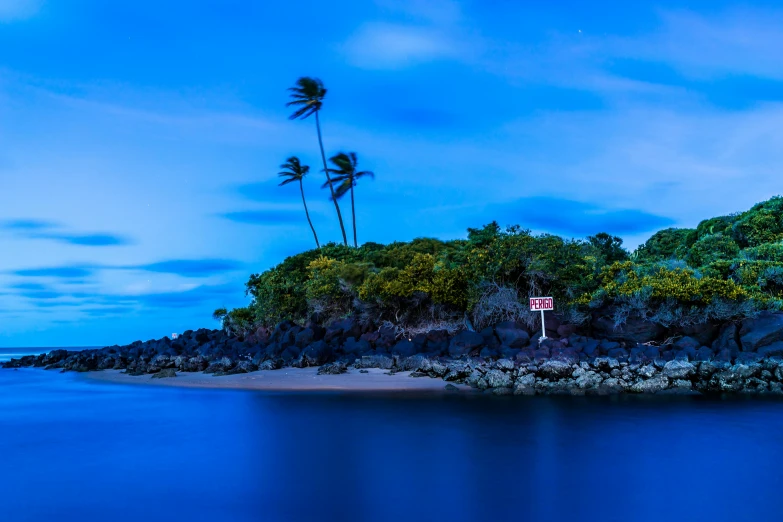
column 542, row 303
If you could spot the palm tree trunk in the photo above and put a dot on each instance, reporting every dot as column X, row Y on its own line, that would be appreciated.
column 329, row 179
column 353, row 214
column 301, row 189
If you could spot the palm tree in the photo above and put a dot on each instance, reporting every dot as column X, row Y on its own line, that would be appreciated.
column 345, row 177
column 307, row 96
column 293, row 170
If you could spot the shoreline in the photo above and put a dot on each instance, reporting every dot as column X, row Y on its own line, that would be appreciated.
column 289, row 380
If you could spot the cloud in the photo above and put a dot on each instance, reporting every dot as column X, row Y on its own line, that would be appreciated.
column 266, row 191
column 96, row 240
column 108, row 310
column 11, row 10
column 575, row 218
column 266, row 217
column 63, row 272
column 746, row 41
column 394, row 46
column 681, row 58
column 191, row 297
column 76, row 273
column 47, row 230
column 441, row 12
column 26, row 225
column 192, row 267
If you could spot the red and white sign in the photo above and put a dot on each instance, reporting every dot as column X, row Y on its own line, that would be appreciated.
column 542, row 303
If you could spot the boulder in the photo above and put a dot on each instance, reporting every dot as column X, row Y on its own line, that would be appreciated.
column 488, row 334
column 512, row 334
column 335, row 368
column 555, row 369
column 727, row 339
column 566, row 330
column 678, row 369
column 636, row 330
column 490, row 352
column 606, row 364
column 290, row 353
column 271, row 364
column 525, row 385
column 551, row 324
column 165, row 373
column 726, row 381
column 415, row 363
column 704, row 333
column 525, row 355
column 760, row 331
column 404, row 348
column 703, row 354
column 243, row 367
column 509, row 353
column 458, row 371
column 590, row 348
column 647, row 371
column 304, row 338
column 653, row 385
column 748, row 357
column 352, row 346
column 316, row 354
column 617, row 353
column 437, row 341
column 464, row 343
column 586, row 379
column 687, row 342
column 343, row 328
column 771, row 350
column 498, row 379
column 375, row 361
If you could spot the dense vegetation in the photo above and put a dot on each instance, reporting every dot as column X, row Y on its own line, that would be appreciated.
column 728, row 267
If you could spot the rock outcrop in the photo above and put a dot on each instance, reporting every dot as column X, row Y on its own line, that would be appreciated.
column 744, row 357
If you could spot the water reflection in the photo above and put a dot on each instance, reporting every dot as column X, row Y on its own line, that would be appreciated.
column 77, row 450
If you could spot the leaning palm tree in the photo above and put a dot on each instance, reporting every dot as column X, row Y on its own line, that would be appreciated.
column 345, row 177
column 293, row 170
column 307, row 96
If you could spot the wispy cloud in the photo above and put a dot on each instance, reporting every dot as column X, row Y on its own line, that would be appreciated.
column 96, row 240
column 266, row 217
column 576, row 218
column 46, row 230
column 735, row 41
column 11, row 10
column 415, row 32
column 60, row 272
column 394, row 46
column 192, row 267
column 180, row 267
column 26, row 225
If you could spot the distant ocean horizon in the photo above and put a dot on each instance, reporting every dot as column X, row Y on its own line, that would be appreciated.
column 8, row 353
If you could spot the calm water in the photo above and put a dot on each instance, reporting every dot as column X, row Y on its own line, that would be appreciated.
column 72, row 449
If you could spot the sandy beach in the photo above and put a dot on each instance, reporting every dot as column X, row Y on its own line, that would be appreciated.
column 289, row 379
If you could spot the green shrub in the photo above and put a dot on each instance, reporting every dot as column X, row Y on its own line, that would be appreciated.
column 726, row 267
column 671, row 243
column 716, row 225
column 765, row 252
column 711, row 248
column 761, row 224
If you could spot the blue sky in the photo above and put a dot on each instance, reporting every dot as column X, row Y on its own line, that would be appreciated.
column 139, row 142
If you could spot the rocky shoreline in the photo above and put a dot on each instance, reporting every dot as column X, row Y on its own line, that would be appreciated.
column 743, row 357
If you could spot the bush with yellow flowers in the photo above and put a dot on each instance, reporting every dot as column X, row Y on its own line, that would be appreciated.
column 729, row 259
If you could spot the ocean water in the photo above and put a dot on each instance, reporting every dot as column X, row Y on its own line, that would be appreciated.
column 76, row 450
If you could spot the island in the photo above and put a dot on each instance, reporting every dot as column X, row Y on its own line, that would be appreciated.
column 689, row 311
